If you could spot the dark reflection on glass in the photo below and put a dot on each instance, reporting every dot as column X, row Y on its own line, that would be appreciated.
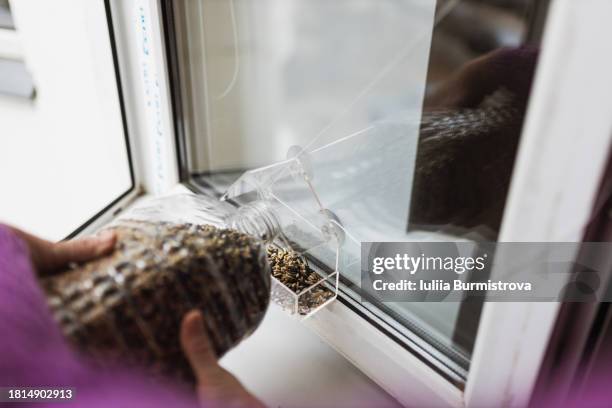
column 482, row 64
column 478, row 84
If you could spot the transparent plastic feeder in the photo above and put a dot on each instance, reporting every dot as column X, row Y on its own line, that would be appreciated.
column 307, row 230
column 321, row 204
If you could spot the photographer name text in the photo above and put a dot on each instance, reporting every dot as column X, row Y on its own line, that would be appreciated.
column 404, row 265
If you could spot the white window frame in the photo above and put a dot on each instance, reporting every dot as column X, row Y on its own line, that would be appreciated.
column 563, row 151
column 148, row 109
column 133, row 105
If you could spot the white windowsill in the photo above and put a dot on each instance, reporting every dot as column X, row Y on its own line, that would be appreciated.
column 285, row 364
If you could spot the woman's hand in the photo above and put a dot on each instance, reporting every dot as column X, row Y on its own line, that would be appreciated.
column 507, row 67
column 48, row 257
column 216, row 385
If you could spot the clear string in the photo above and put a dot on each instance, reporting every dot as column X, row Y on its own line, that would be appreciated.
column 236, row 70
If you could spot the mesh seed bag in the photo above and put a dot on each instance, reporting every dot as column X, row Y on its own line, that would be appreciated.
column 172, row 255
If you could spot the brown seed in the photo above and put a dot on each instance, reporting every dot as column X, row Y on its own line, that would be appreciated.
column 296, row 274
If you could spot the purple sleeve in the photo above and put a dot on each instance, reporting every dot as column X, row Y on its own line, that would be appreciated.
column 34, row 353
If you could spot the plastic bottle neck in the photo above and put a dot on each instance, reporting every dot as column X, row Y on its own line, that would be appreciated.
column 257, row 219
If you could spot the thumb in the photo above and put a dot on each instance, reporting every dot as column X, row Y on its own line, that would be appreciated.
column 80, row 250
column 216, row 386
column 197, row 346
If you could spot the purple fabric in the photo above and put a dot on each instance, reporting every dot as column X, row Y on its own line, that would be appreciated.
column 33, row 352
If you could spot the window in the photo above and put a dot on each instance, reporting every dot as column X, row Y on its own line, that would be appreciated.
column 366, row 88
column 257, row 79
column 72, row 133
column 363, row 86
column 249, row 81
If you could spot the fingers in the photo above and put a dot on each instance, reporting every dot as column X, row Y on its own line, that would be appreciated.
column 48, row 256
column 511, row 68
column 81, row 250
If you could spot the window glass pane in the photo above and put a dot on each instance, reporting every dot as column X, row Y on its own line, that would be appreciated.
column 63, row 155
column 410, row 111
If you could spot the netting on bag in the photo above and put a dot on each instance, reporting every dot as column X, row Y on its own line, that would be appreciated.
column 127, row 306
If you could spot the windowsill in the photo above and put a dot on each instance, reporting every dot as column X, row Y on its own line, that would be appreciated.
column 285, row 364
